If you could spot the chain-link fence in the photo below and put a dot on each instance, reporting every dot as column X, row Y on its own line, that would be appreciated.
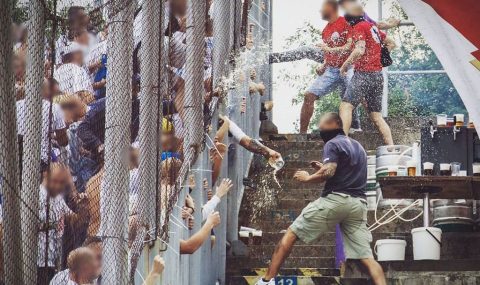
column 111, row 140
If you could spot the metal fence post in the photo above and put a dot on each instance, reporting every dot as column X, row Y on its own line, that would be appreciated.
column 149, row 71
column 9, row 183
column 114, row 216
column 32, row 137
column 194, row 70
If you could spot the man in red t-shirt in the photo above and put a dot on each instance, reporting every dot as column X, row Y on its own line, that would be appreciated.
column 367, row 82
column 337, row 37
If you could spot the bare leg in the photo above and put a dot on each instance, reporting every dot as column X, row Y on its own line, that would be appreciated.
column 382, row 127
column 307, row 111
column 282, row 251
column 375, row 271
column 346, row 111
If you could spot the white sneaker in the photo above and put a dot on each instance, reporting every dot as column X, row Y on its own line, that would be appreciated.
column 261, row 282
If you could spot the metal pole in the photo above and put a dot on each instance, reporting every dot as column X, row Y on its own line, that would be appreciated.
column 415, row 72
column 9, row 184
column 220, row 39
column 384, row 71
column 426, row 210
column 385, row 92
column 195, row 266
column 194, row 74
column 234, row 169
column 32, row 138
column 149, row 111
column 114, row 196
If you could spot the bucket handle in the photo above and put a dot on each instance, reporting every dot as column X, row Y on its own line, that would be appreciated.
column 434, row 237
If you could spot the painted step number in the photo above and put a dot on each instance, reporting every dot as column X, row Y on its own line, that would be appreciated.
column 286, row 280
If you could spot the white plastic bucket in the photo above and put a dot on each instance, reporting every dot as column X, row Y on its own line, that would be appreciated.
column 426, row 243
column 390, row 249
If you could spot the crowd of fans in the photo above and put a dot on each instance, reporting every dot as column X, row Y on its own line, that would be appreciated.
column 73, row 135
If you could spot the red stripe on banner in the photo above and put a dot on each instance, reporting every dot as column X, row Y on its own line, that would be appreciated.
column 463, row 15
column 476, row 54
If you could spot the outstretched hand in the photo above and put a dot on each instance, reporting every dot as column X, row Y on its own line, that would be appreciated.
column 302, row 176
column 224, row 187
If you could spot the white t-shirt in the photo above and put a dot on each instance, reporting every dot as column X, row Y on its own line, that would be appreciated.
column 63, row 278
column 134, row 190
column 58, row 122
column 178, row 49
column 58, row 211
column 72, row 78
column 95, row 53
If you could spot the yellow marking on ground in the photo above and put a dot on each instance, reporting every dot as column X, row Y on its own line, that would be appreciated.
column 251, row 280
column 476, row 63
column 310, row 272
column 260, row 271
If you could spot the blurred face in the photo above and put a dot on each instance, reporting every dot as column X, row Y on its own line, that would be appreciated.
column 326, row 124
column 82, row 38
column 178, row 7
column 167, row 142
column 327, row 11
column 91, row 267
column 134, row 157
column 75, row 109
column 58, row 182
column 97, row 252
column 45, row 90
column 347, row 6
column 78, row 57
column 18, row 68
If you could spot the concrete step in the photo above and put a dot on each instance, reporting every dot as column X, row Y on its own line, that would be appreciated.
column 286, row 280
column 265, row 251
column 430, row 279
column 243, row 262
column 284, row 271
column 454, row 245
column 453, row 269
column 272, row 238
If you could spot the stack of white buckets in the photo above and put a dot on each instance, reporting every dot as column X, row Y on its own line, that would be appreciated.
column 426, row 240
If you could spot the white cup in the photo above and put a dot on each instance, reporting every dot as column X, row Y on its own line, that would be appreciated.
column 428, row 165
column 476, row 168
column 444, row 166
column 460, row 117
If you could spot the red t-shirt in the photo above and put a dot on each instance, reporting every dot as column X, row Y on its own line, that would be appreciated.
column 371, row 60
column 336, row 34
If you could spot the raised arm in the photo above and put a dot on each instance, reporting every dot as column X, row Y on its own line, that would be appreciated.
column 195, row 242
column 341, row 49
column 250, row 144
column 357, row 53
column 156, row 272
column 325, row 172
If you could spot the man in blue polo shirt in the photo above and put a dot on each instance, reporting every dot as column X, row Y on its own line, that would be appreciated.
column 344, row 169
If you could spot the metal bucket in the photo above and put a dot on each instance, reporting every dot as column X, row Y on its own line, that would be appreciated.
column 392, row 156
column 453, row 215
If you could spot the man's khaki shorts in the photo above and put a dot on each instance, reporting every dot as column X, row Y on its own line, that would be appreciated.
column 324, row 214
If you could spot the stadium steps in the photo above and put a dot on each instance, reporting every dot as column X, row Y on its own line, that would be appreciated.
column 315, row 264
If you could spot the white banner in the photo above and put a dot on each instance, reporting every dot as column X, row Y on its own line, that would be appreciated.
column 452, row 49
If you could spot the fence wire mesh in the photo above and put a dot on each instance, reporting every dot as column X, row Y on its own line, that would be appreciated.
column 108, row 118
